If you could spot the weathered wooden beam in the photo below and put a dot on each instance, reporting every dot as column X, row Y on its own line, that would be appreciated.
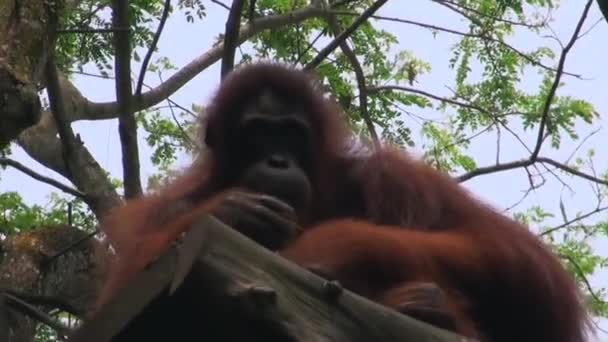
column 220, row 285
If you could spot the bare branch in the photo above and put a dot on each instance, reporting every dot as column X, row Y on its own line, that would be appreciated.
column 146, row 61
column 345, row 34
column 571, row 170
column 494, row 168
column 67, row 155
column 221, row 4
column 53, row 88
column 524, row 163
column 41, row 143
column 231, row 35
column 127, row 127
column 36, row 314
column 65, row 188
column 352, row 58
column 574, row 220
column 556, row 81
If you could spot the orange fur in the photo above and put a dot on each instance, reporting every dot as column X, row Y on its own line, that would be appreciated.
column 378, row 223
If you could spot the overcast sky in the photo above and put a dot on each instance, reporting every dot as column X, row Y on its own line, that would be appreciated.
column 181, row 42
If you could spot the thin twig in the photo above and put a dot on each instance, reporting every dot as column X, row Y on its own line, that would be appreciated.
column 574, row 220
column 581, row 273
column 71, row 246
column 485, row 37
column 36, row 314
column 177, row 123
column 451, row 5
column 310, row 45
column 571, row 170
column 94, row 31
column 65, row 188
column 146, row 61
column 376, row 89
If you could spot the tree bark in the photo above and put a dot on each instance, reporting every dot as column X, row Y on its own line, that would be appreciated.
column 27, row 32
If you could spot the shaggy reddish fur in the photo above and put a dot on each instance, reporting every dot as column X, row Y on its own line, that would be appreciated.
column 379, row 223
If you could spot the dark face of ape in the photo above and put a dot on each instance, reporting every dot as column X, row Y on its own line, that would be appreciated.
column 272, row 147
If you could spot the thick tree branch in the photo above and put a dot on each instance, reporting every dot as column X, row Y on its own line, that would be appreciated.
column 603, row 4
column 146, row 61
column 108, row 110
column 27, row 35
column 41, row 143
column 558, row 75
column 127, row 127
column 65, row 188
column 70, row 156
column 327, row 50
column 231, row 36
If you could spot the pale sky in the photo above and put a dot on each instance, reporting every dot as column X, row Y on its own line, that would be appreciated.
column 181, row 42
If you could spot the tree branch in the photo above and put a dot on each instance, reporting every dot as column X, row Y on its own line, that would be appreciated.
column 36, row 314
column 376, row 89
column 146, row 61
column 574, row 220
column 571, row 170
column 127, row 127
column 65, row 188
column 231, row 36
column 463, row 34
column 524, row 163
column 352, row 58
column 558, row 75
column 68, row 146
column 108, row 110
column 327, row 50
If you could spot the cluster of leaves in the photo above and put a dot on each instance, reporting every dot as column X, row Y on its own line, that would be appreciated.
column 17, row 216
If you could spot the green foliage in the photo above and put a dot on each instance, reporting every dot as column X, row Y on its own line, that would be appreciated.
column 167, row 136
column 16, row 216
column 571, row 243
